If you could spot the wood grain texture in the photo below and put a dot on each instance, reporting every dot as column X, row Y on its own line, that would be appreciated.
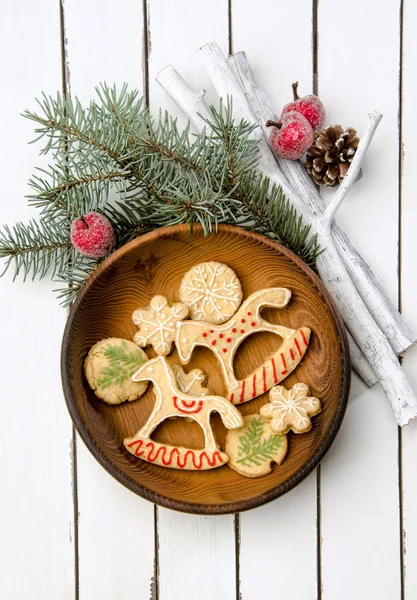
column 409, row 290
column 105, row 44
column 155, row 263
column 285, row 530
column 37, row 519
column 359, row 491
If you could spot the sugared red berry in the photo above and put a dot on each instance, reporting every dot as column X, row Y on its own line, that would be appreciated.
column 311, row 107
column 92, row 235
column 291, row 138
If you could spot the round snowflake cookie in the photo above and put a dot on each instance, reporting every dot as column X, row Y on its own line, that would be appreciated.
column 212, row 292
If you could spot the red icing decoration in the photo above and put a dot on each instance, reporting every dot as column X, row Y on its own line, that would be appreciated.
column 242, row 320
column 264, row 378
column 213, row 343
column 229, row 340
column 249, row 313
column 232, row 396
column 254, row 386
column 292, row 354
column 242, row 394
column 298, row 346
column 234, row 330
column 284, row 364
column 304, row 337
column 204, row 334
column 150, row 446
column 211, row 330
column 224, row 350
column 221, row 335
column 253, row 323
column 275, row 372
column 191, row 407
column 242, row 331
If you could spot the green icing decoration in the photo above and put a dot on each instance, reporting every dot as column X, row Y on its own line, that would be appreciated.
column 121, row 365
column 254, row 450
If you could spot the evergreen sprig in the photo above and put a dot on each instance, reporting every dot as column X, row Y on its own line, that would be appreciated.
column 255, row 450
column 121, row 364
column 113, row 157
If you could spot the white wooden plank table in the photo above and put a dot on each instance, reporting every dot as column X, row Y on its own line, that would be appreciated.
column 68, row 530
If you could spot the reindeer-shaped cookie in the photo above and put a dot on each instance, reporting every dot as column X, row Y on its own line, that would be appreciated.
column 172, row 402
column 224, row 340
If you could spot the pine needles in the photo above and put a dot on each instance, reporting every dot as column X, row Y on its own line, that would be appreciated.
column 113, row 157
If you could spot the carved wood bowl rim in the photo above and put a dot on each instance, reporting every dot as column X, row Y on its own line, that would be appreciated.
column 172, row 503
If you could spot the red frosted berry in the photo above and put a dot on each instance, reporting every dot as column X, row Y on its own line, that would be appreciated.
column 92, row 235
column 311, row 107
column 292, row 137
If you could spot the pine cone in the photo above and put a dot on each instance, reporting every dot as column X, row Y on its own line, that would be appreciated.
column 329, row 157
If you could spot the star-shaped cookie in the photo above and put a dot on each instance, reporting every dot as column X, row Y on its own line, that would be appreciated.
column 290, row 409
column 157, row 324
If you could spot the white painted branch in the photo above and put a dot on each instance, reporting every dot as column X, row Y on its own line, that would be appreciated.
column 385, row 314
column 354, row 169
column 331, row 268
column 360, row 364
column 194, row 107
column 190, row 102
column 366, row 332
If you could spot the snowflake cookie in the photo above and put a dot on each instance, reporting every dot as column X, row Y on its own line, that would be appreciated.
column 290, row 409
column 253, row 448
column 212, row 292
column 157, row 324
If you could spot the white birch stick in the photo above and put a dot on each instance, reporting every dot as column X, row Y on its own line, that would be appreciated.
column 360, row 364
column 385, row 314
column 364, row 329
column 194, row 107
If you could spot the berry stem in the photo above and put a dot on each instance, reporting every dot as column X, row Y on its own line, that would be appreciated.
column 82, row 219
column 295, row 91
column 273, row 124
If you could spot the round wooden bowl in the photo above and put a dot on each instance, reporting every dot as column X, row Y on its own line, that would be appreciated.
column 154, row 264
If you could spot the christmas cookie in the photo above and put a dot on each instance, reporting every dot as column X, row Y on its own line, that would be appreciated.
column 224, row 340
column 191, row 383
column 290, row 409
column 212, row 292
column 157, row 324
column 253, row 448
column 172, row 402
column 109, row 367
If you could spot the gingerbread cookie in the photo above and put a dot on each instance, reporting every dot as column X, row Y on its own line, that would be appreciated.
column 223, row 341
column 157, row 324
column 212, row 292
column 172, row 402
column 290, row 409
column 253, row 448
column 109, row 367
column 191, row 383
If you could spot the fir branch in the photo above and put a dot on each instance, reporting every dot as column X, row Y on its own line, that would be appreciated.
column 113, row 157
column 36, row 248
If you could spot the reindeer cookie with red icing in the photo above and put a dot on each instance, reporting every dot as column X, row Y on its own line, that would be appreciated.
column 224, row 339
column 171, row 401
